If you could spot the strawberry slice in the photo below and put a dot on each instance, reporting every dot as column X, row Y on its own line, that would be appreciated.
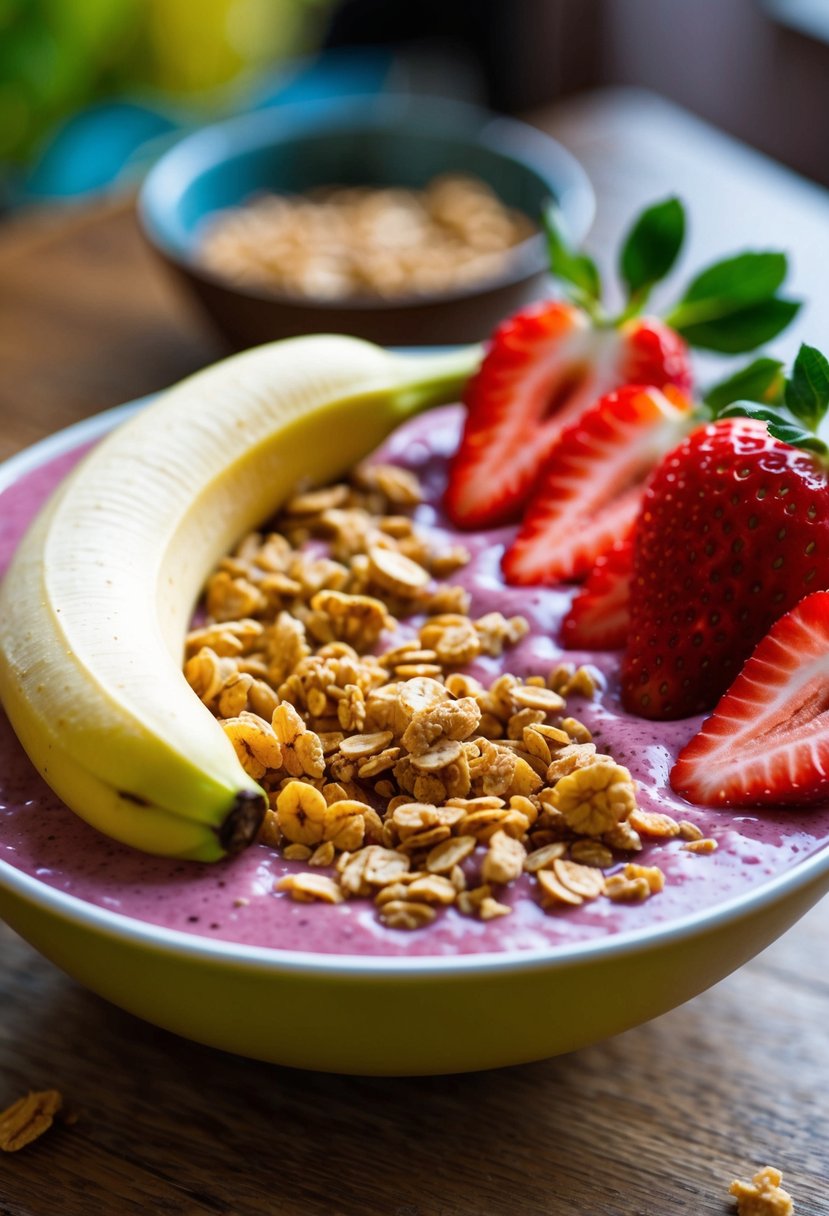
column 599, row 616
column 591, row 490
column 767, row 741
column 543, row 368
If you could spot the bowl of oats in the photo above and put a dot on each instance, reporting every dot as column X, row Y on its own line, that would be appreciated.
column 404, row 220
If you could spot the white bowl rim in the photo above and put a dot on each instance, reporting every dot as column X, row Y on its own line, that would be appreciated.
column 398, row 968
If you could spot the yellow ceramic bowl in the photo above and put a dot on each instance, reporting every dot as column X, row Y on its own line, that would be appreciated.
column 398, row 1016
column 395, row 1015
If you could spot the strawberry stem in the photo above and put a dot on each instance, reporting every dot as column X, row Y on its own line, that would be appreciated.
column 577, row 272
column 633, row 308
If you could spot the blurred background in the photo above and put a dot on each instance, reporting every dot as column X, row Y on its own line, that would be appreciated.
column 92, row 90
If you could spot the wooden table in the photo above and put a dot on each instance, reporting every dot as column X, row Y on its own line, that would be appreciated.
column 655, row 1122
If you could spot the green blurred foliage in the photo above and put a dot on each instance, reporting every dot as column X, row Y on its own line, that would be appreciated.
column 57, row 56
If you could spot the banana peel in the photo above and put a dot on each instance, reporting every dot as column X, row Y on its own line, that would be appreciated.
column 97, row 601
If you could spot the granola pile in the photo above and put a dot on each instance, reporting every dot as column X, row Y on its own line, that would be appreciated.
column 390, row 771
column 366, row 241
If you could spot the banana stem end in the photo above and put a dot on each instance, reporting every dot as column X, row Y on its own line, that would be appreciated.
column 435, row 379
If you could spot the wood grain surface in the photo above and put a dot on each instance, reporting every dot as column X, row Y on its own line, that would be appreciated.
column 652, row 1123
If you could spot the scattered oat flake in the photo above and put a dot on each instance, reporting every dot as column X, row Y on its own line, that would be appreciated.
column 763, row 1196
column 504, row 860
column 297, row 852
column 443, row 857
column 358, row 747
column 543, row 858
column 584, row 683
column 622, row 889
column 308, row 887
column 586, row 881
column 705, row 845
column 576, row 730
column 396, row 573
column 406, row 914
column 490, row 908
column 653, row 823
column 28, row 1118
column 323, row 855
column 535, row 697
column 432, row 889
column 652, row 875
column 470, row 902
column 591, row 853
column 553, row 891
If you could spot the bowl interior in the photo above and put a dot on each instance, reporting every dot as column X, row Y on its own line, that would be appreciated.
column 386, row 142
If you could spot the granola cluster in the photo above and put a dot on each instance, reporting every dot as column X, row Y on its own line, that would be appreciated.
column 404, row 777
column 763, row 1196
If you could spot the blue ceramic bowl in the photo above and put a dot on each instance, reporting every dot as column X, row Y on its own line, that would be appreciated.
column 383, row 141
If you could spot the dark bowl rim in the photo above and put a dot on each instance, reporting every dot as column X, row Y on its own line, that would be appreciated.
column 509, row 138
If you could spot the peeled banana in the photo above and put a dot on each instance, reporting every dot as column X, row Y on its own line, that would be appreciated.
column 97, row 601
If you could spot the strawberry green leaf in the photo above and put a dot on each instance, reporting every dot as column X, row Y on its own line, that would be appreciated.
column 652, row 246
column 785, row 429
column 577, row 272
column 760, row 381
column 733, row 330
column 807, row 389
column 738, row 280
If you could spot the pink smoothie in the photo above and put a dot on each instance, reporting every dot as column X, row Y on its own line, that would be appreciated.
column 235, row 900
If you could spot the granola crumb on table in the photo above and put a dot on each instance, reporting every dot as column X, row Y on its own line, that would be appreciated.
column 28, row 1118
column 389, row 766
column 763, row 1196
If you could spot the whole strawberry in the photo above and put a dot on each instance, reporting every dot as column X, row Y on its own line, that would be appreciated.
column 734, row 531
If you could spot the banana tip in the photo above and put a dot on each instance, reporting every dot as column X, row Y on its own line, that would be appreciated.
column 243, row 821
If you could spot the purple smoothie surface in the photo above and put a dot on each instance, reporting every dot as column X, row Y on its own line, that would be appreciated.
column 235, row 900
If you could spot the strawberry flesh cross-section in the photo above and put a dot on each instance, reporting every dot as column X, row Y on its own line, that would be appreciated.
column 544, row 367
column 767, row 741
column 590, row 493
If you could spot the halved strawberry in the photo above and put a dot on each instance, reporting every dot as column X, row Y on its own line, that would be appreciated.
column 767, row 741
column 599, row 616
column 591, row 488
column 548, row 363
column 543, row 368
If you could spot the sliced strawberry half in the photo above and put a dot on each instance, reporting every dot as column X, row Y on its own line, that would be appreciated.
column 599, row 616
column 767, row 741
column 543, row 368
column 591, row 489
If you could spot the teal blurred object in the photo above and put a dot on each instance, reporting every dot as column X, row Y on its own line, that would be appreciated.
column 112, row 143
column 91, row 149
